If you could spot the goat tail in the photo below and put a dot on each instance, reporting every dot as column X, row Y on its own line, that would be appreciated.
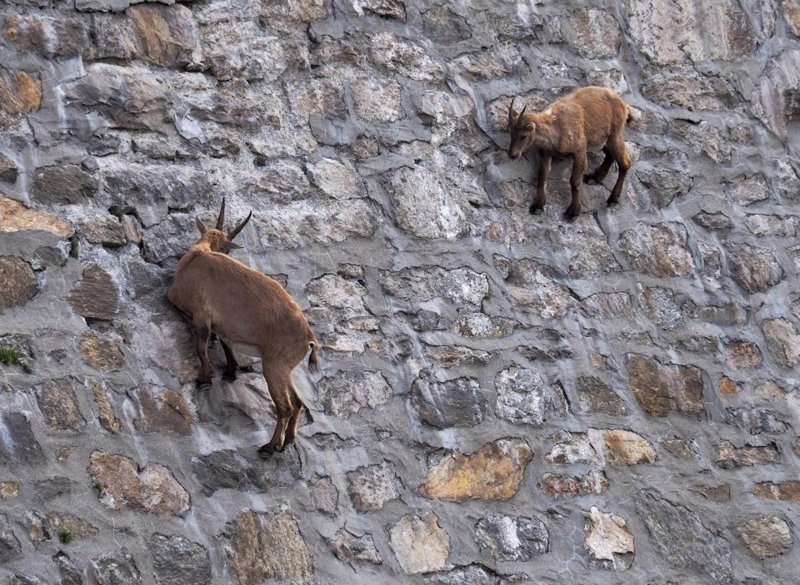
column 632, row 117
column 313, row 362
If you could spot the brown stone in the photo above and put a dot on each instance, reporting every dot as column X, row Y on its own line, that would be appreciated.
column 19, row 282
column 661, row 250
column 269, row 546
column 791, row 12
column 50, row 37
column 731, row 457
column 783, row 341
column 766, row 536
column 105, row 411
column 715, row 493
column 59, row 405
column 742, row 354
column 15, row 217
column 20, row 92
column 123, row 486
column 104, row 355
column 63, row 184
column 754, row 269
column 355, row 549
column 96, row 295
column 163, row 411
column 420, row 544
column 167, row 35
column 625, row 447
column 661, row 389
column 594, row 482
column 681, row 448
column 785, row 491
column 103, row 229
column 9, row 489
column 728, row 387
column 58, row 526
column 594, row 395
column 493, row 472
column 608, row 540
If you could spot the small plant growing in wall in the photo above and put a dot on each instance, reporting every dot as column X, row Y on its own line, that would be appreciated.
column 11, row 357
column 64, row 535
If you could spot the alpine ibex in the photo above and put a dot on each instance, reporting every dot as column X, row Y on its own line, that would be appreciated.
column 588, row 119
column 250, row 310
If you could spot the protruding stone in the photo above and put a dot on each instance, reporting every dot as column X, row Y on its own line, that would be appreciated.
column 372, row 486
column 420, row 544
column 103, row 229
column 493, row 472
column 595, row 396
column 661, row 389
column 403, row 57
column 103, row 354
column 731, row 457
column 679, row 535
column 105, row 410
column 166, row 35
column 741, row 354
column 346, row 393
column 21, row 447
column 50, row 37
column 15, row 217
column 58, row 527
column 783, row 341
column 756, row 420
column 117, row 568
column 336, row 179
column 10, row 548
column 746, row 191
column 123, row 486
column 355, row 549
column 766, row 536
column 269, row 546
column 482, row 326
column 716, row 493
column 324, row 494
column 376, row 101
column 462, row 286
column 8, row 174
column 452, row 403
column 754, row 269
column 96, row 296
column 245, row 471
column 522, row 396
column 19, row 282
column 784, row 491
column 178, row 561
column 660, row 250
column 163, row 411
column 593, row 32
column 9, row 489
column 624, row 447
column 594, row 482
column 424, row 208
column 728, row 387
column 608, row 540
column 63, row 184
column 59, row 405
column 512, row 538
column 22, row 93
column 681, row 448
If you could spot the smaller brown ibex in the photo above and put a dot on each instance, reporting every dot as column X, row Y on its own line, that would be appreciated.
column 249, row 310
column 588, row 119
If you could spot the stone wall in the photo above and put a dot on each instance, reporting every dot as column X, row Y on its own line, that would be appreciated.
column 503, row 398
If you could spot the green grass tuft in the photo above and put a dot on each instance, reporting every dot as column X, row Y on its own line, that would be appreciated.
column 64, row 535
column 9, row 356
column 73, row 247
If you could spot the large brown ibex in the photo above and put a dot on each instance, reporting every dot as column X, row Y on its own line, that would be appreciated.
column 250, row 310
column 588, row 119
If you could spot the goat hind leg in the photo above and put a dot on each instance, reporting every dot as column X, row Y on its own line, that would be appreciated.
column 202, row 333
column 624, row 164
column 284, row 409
column 231, row 365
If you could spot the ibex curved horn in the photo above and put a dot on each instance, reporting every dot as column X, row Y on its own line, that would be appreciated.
column 221, row 216
column 511, row 120
column 521, row 119
column 235, row 231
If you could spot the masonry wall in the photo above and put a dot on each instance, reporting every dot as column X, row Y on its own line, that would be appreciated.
column 503, row 398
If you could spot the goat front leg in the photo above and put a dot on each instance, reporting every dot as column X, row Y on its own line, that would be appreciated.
column 231, row 365
column 545, row 160
column 202, row 333
column 579, row 164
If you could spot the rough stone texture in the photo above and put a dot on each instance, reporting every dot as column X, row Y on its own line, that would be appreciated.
column 19, row 282
column 269, row 546
column 609, row 541
column 122, row 485
column 651, row 346
column 493, row 472
column 420, row 544
column 766, row 536
column 512, row 538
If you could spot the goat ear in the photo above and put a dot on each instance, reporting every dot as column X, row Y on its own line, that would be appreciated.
column 227, row 246
column 221, row 216
column 200, row 225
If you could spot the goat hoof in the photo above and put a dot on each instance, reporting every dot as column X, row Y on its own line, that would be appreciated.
column 612, row 202
column 570, row 214
column 590, row 180
column 203, row 384
column 247, row 369
column 266, row 450
column 534, row 209
column 229, row 376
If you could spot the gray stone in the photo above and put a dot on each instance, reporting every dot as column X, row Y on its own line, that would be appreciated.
column 63, row 184
column 372, row 486
column 420, row 544
column 405, row 58
column 8, row 169
column 356, row 549
column 378, row 102
column 766, row 536
column 103, row 229
column 756, row 420
column 348, row 392
column 480, row 325
column 244, row 470
column 729, row 456
column 19, row 282
column 594, row 33
column 556, row 485
column 20, row 446
column 118, row 568
column 659, row 250
column 512, row 538
column 679, row 535
column 521, row 396
column 325, row 495
column 163, row 410
column 462, row 286
column 662, row 306
column 748, row 190
column 754, row 269
column 451, row 403
column 783, row 341
column 10, row 548
column 96, row 296
column 67, row 571
column 178, row 561
column 596, row 396
column 59, row 405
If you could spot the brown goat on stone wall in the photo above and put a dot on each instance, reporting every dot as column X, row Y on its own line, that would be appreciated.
column 588, row 119
column 251, row 311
